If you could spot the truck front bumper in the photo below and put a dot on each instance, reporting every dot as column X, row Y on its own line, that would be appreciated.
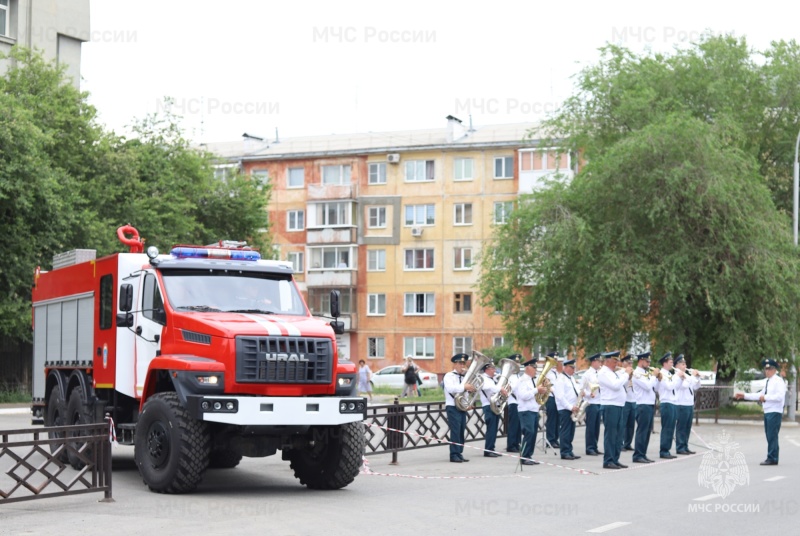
column 277, row 410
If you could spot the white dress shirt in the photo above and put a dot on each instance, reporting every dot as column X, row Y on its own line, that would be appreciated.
column 668, row 387
column 589, row 378
column 526, row 394
column 644, row 388
column 685, row 393
column 453, row 385
column 612, row 387
column 552, row 375
column 566, row 392
column 488, row 388
column 774, row 394
column 513, row 380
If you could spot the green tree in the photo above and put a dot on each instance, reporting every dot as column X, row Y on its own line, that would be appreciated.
column 670, row 229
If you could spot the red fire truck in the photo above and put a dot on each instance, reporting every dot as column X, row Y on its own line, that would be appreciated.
column 200, row 356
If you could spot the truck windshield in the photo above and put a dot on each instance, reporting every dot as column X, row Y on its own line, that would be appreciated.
column 240, row 292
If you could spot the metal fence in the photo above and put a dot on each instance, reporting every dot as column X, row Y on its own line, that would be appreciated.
column 34, row 462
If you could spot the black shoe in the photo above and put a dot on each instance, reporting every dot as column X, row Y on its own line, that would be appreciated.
column 455, row 460
column 512, row 450
column 570, row 457
column 555, row 445
column 622, row 466
column 592, row 453
column 490, row 455
column 668, row 457
column 627, row 448
column 599, row 453
column 611, row 466
column 528, row 462
column 769, row 462
column 464, row 460
column 648, row 460
column 690, row 452
column 685, row 452
column 642, row 460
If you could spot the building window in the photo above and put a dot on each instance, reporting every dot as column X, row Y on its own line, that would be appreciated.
column 502, row 209
column 463, row 169
column 420, row 215
column 376, row 304
column 419, row 347
column 333, row 214
column 504, row 167
column 376, row 347
column 419, row 303
column 377, row 218
column 4, row 18
column 463, row 214
column 295, row 220
column 296, row 178
column 463, row 302
column 419, row 259
column 376, row 260
column 332, row 258
column 535, row 160
column 259, row 176
column 419, row 170
column 296, row 258
column 498, row 341
column 223, row 172
column 462, row 345
column 336, row 175
column 462, row 259
column 377, row 173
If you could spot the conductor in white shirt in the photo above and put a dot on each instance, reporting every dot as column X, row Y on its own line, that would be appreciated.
column 773, row 397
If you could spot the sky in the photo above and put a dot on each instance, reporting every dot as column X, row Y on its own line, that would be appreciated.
column 302, row 68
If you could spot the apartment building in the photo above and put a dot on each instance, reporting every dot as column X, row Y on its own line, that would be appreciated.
column 396, row 221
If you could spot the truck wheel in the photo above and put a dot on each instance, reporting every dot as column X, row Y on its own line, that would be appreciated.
column 334, row 459
column 54, row 415
column 171, row 448
column 77, row 413
column 224, row 459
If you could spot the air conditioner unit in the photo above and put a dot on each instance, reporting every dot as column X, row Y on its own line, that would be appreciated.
column 393, row 158
column 416, row 231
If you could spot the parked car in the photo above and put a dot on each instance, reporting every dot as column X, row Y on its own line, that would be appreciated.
column 392, row 376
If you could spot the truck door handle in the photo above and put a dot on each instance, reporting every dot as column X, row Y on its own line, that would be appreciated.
column 138, row 330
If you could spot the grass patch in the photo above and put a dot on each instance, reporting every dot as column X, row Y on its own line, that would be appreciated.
column 14, row 396
column 736, row 410
column 428, row 395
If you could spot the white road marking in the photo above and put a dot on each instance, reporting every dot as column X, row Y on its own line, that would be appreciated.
column 774, row 479
column 796, row 443
column 15, row 411
column 610, row 526
column 707, row 497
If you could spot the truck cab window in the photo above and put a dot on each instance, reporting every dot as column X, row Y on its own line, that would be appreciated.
column 106, row 301
column 152, row 304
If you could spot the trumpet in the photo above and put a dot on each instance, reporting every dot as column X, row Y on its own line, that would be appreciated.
column 464, row 401
column 647, row 373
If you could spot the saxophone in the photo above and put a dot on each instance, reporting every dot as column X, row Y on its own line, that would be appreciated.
column 541, row 398
column 508, row 367
column 465, row 400
column 580, row 416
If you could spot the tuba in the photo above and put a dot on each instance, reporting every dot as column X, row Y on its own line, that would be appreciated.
column 473, row 376
column 541, row 398
column 508, row 367
column 580, row 415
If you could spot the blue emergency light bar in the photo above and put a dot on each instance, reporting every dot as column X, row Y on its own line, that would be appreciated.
column 183, row 252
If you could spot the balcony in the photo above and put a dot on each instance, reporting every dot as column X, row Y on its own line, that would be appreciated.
column 317, row 192
column 331, row 235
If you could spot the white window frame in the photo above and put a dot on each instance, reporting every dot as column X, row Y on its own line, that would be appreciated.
column 376, row 347
column 507, row 165
column 460, row 255
column 462, row 171
column 411, row 302
column 417, row 170
column 376, row 260
column 498, row 341
column 462, row 214
column 343, row 177
column 428, row 257
column 295, row 220
column 378, row 215
column 462, row 345
column 261, row 177
column 377, row 173
column 297, row 260
column 501, row 211
column 322, row 211
column 420, row 215
column 319, row 255
column 419, row 347
column 5, row 14
column 376, row 304
column 456, row 301
column 289, row 184
column 223, row 172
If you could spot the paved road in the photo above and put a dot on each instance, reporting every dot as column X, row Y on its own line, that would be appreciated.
column 485, row 496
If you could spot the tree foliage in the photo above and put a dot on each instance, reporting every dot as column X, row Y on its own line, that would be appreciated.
column 66, row 183
column 672, row 231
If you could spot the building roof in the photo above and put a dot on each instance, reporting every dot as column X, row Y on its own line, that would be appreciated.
column 504, row 135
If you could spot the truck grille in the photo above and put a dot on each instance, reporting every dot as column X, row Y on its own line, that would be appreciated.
column 283, row 360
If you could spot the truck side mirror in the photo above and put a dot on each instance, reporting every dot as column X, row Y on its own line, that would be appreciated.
column 124, row 320
column 126, row 297
column 338, row 327
column 335, row 311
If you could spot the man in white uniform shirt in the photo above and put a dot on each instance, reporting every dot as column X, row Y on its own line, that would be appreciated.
column 593, row 407
column 454, row 384
column 773, row 396
column 685, row 406
column 566, row 395
column 644, row 388
column 514, row 435
column 551, row 424
column 526, row 392
column 629, row 411
column 491, row 420
column 612, row 398
column 667, row 396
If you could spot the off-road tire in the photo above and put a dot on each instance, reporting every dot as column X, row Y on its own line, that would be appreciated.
column 224, row 459
column 332, row 463
column 171, row 448
column 77, row 413
column 55, row 415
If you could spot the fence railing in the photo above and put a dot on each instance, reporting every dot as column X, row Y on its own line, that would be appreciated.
column 34, row 462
